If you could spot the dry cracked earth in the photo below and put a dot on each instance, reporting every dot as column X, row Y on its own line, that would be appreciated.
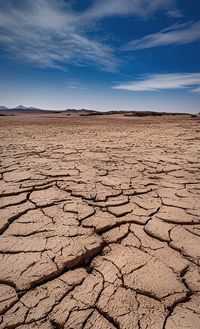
column 99, row 223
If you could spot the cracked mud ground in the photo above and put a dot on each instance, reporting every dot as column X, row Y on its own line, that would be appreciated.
column 99, row 223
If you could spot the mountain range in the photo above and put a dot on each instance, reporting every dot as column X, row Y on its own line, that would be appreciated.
column 23, row 110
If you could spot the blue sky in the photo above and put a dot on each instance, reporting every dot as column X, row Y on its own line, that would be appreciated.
column 100, row 54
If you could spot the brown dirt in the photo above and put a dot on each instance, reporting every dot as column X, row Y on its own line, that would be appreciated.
column 100, row 223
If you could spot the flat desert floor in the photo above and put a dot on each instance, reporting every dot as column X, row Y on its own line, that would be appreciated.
column 99, row 222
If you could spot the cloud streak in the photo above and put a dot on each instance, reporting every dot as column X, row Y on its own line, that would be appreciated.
column 75, row 84
column 141, row 8
column 177, row 34
column 158, row 82
column 49, row 33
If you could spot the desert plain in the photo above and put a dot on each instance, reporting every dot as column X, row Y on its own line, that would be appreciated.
column 99, row 222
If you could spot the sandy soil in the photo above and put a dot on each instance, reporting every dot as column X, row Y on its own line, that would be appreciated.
column 99, row 222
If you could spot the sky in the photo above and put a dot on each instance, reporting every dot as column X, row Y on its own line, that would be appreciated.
column 100, row 54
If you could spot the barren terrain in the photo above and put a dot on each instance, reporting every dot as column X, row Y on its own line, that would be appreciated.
column 99, row 222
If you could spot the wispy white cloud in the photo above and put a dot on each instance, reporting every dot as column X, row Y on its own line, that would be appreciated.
column 49, row 33
column 196, row 90
column 157, row 82
column 175, row 13
column 105, row 8
column 75, row 84
column 177, row 34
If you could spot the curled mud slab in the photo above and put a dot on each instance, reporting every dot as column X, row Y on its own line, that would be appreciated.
column 100, row 224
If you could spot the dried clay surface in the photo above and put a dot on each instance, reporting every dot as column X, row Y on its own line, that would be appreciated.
column 99, row 223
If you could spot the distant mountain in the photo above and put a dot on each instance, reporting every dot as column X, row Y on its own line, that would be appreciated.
column 24, row 108
column 21, row 110
column 20, row 107
column 80, row 111
column 33, row 108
